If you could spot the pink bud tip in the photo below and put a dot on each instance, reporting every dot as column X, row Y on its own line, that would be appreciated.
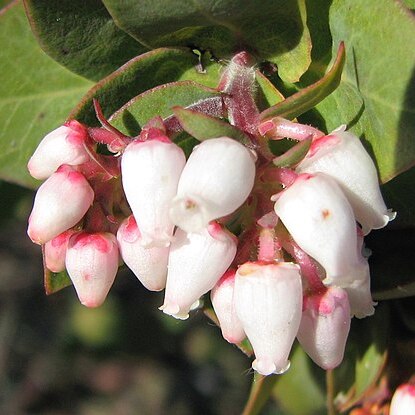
column 403, row 400
column 65, row 145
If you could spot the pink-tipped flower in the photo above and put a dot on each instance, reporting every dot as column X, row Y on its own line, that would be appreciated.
column 148, row 264
column 55, row 251
column 92, row 264
column 196, row 263
column 324, row 327
column 150, row 173
column 217, row 179
column 222, row 296
column 360, row 297
column 321, row 221
column 342, row 156
column 268, row 301
column 403, row 400
column 60, row 203
column 65, row 145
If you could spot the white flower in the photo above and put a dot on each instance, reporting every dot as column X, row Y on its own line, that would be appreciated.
column 324, row 327
column 148, row 264
column 403, row 400
column 55, row 251
column 360, row 297
column 150, row 173
column 268, row 300
column 222, row 296
column 196, row 262
column 217, row 179
column 321, row 221
column 342, row 156
column 65, row 145
column 92, row 264
column 60, row 203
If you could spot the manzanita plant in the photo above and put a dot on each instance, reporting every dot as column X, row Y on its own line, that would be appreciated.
column 225, row 161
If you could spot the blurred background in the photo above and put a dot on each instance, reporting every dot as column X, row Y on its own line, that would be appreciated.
column 126, row 357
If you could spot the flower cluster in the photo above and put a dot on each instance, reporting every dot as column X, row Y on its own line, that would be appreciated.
column 280, row 248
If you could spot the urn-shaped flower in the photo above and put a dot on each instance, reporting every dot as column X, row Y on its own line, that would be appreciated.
column 403, row 400
column 55, row 251
column 92, row 263
column 65, row 145
column 216, row 180
column 321, row 221
column 60, row 203
column 342, row 156
column 150, row 173
column 268, row 301
column 222, row 296
column 325, row 325
column 196, row 262
column 148, row 264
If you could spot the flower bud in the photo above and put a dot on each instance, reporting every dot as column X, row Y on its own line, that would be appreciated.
column 60, row 203
column 217, row 179
column 55, row 251
column 403, row 400
column 342, row 156
column 92, row 264
column 222, row 296
column 321, row 221
column 196, row 262
column 150, row 173
column 65, row 145
column 268, row 300
column 148, row 264
column 325, row 325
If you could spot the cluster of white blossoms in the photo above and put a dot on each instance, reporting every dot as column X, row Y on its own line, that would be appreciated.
column 297, row 268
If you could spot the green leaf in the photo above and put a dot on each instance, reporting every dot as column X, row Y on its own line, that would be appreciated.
column 269, row 95
column 376, row 95
column 300, row 391
column 81, row 35
column 410, row 4
column 274, row 30
column 365, row 357
column 159, row 101
column 140, row 74
column 294, row 155
column 310, row 96
column 36, row 94
column 203, row 127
